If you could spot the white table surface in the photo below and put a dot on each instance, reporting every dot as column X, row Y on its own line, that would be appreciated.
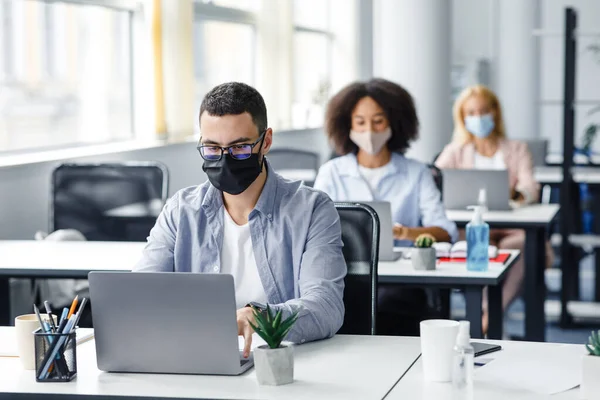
column 151, row 208
column 307, row 175
column 412, row 386
column 580, row 174
column 450, row 271
column 42, row 258
column 344, row 367
column 532, row 214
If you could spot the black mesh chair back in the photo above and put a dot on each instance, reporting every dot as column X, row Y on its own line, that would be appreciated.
column 437, row 177
column 111, row 202
column 288, row 162
column 360, row 234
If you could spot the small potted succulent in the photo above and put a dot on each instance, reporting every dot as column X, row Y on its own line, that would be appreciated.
column 423, row 254
column 274, row 362
column 590, row 379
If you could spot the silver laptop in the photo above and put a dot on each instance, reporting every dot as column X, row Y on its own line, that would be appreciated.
column 181, row 323
column 539, row 150
column 386, row 235
column 461, row 188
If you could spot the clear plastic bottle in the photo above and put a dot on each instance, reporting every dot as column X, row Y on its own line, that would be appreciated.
column 463, row 365
column 478, row 241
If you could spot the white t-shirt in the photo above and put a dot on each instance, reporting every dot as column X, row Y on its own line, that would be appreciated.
column 373, row 175
column 494, row 162
column 237, row 259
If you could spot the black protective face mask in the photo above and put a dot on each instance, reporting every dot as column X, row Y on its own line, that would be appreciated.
column 233, row 176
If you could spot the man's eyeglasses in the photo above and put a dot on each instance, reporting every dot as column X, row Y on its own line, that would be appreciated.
column 211, row 152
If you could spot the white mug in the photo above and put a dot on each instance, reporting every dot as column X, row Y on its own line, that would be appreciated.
column 438, row 338
column 25, row 325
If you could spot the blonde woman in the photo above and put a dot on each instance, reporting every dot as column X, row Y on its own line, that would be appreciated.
column 480, row 142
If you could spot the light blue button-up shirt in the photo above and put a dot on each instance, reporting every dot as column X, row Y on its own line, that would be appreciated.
column 296, row 239
column 407, row 184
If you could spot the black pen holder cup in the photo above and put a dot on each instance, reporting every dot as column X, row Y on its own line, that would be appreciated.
column 55, row 356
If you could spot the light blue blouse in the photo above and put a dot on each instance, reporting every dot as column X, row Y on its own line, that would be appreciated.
column 407, row 184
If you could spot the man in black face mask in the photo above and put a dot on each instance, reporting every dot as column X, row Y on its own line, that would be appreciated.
column 279, row 239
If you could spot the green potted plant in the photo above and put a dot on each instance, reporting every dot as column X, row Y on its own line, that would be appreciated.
column 423, row 254
column 590, row 379
column 274, row 362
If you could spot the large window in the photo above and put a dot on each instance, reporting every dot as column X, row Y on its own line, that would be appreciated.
column 224, row 43
column 65, row 74
column 312, row 61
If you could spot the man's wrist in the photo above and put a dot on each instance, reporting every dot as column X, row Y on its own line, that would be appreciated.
column 258, row 306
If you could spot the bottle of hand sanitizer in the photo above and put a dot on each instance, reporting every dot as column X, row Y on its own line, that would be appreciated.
column 478, row 240
column 462, row 368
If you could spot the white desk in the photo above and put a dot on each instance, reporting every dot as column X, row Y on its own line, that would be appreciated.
column 41, row 259
column 149, row 209
column 455, row 275
column 553, row 175
column 412, row 386
column 534, row 219
column 535, row 214
column 306, row 175
column 344, row 367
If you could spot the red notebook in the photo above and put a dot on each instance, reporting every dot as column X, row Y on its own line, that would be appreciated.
column 501, row 258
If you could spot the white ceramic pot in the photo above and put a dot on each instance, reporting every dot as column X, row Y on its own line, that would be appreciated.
column 274, row 367
column 423, row 258
column 590, row 377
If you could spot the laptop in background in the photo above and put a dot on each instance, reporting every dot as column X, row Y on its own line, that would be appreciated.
column 461, row 188
column 539, row 150
column 386, row 235
column 156, row 322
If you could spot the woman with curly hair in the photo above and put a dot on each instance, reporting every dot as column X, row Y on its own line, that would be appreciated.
column 371, row 125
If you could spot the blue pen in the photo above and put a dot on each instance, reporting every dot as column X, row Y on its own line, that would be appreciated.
column 65, row 312
column 56, row 348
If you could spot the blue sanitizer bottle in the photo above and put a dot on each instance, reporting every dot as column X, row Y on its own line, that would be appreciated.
column 478, row 241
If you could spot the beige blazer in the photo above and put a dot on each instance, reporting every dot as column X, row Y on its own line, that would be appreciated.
column 517, row 158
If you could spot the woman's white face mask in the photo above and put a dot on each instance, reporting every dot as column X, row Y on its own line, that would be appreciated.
column 371, row 142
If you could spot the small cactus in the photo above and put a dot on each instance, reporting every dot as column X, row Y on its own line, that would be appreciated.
column 424, row 241
column 593, row 347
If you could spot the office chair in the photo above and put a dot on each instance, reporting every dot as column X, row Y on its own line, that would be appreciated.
column 437, row 177
column 105, row 202
column 295, row 164
column 112, row 202
column 360, row 234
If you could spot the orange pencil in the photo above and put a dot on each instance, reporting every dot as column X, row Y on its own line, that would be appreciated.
column 73, row 306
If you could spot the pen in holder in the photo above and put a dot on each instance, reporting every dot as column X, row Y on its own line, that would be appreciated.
column 55, row 356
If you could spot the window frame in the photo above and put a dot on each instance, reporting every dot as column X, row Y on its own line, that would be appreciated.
column 205, row 12
column 328, row 34
column 134, row 9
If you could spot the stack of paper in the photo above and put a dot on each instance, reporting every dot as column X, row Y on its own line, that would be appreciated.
column 538, row 369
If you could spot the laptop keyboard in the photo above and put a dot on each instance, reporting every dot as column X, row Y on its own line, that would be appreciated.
column 244, row 361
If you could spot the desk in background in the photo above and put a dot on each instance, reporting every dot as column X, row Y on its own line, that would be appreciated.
column 534, row 220
column 60, row 260
column 454, row 275
column 344, row 367
column 553, row 175
column 40, row 259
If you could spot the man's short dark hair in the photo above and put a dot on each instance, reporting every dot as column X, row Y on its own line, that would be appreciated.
column 235, row 98
column 395, row 101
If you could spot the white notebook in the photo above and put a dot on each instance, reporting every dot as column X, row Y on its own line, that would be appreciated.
column 8, row 340
column 458, row 250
